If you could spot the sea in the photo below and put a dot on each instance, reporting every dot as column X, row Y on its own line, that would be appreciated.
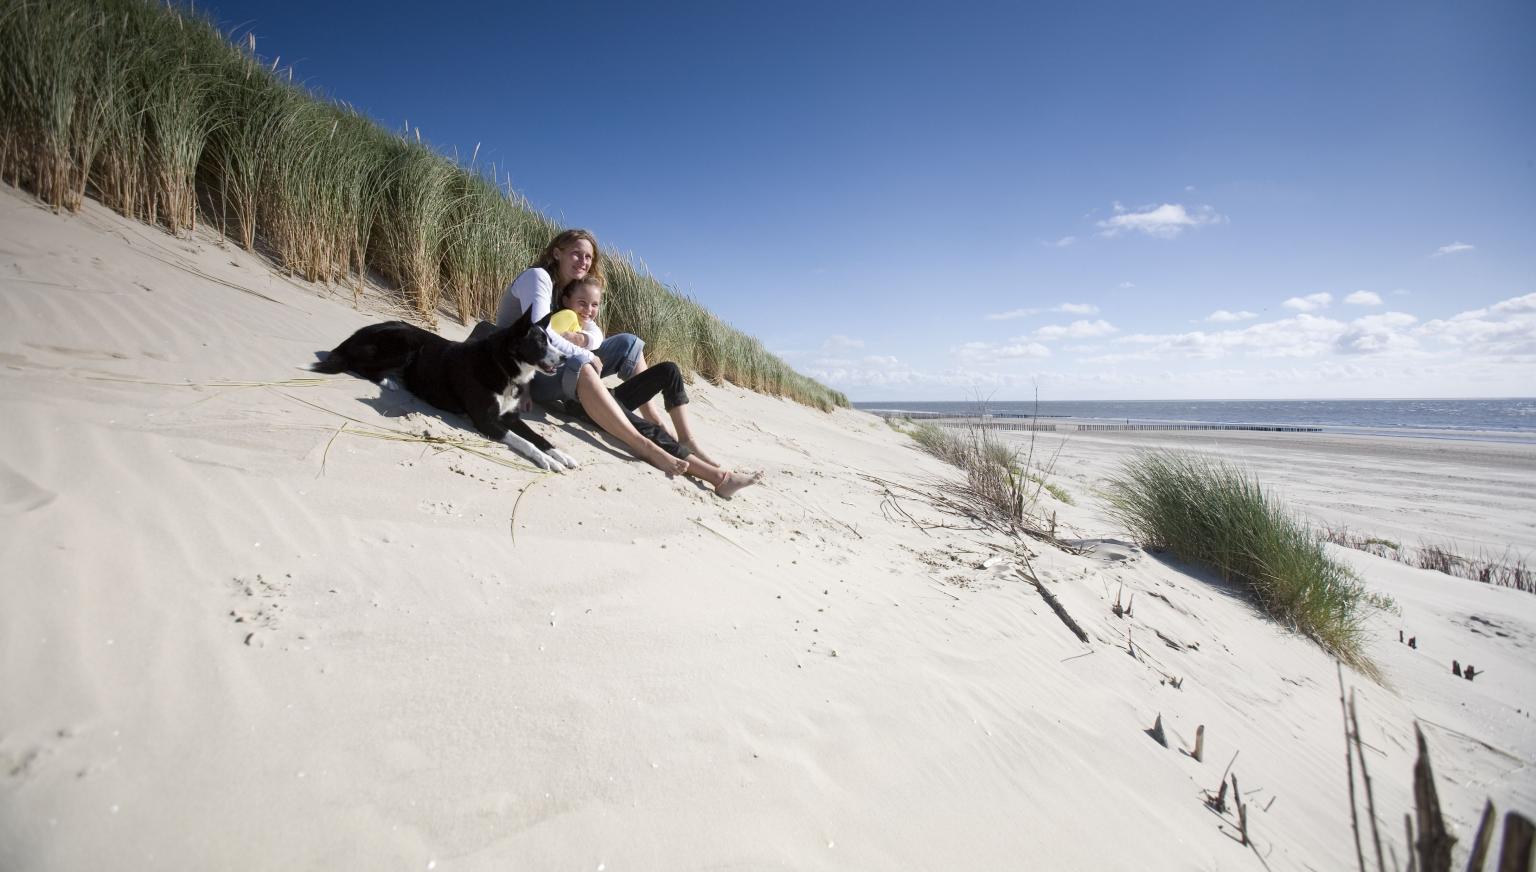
column 1512, row 420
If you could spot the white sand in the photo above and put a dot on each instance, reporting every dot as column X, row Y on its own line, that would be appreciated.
column 233, row 638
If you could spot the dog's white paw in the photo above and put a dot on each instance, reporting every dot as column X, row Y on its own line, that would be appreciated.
column 562, row 457
column 389, row 384
column 545, row 462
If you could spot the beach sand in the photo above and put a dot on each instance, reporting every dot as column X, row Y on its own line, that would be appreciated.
column 239, row 633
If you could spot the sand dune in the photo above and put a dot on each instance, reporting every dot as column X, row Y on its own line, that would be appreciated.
column 238, row 632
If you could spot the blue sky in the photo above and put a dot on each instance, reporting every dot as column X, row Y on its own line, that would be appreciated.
column 943, row 202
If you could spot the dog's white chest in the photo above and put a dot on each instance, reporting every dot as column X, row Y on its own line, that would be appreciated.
column 507, row 400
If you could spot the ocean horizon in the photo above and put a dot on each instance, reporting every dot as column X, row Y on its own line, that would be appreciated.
column 1463, row 416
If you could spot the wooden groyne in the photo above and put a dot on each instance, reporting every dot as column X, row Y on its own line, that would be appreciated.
column 1257, row 428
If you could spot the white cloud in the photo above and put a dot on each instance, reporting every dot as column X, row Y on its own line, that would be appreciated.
column 1077, row 309
column 1363, row 298
column 1066, row 308
column 1060, row 243
column 1126, row 285
column 1453, row 248
column 1222, row 315
column 1309, row 303
column 1024, row 349
column 1301, row 336
column 1517, row 305
column 839, row 342
column 1167, row 221
column 1505, row 328
column 1375, row 334
column 1076, row 330
column 1012, row 314
column 1012, row 349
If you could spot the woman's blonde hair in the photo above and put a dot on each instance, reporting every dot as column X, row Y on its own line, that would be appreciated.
column 549, row 261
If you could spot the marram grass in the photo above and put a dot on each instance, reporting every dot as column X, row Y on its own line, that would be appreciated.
column 1212, row 514
column 151, row 110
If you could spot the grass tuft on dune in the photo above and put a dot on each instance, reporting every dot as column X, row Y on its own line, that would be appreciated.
column 148, row 108
column 1215, row 515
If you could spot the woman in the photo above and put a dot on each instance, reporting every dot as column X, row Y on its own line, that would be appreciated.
column 573, row 255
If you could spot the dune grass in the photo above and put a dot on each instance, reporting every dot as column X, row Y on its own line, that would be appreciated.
column 1503, row 569
column 1212, row 514
column 997, row 481
column 148, row 108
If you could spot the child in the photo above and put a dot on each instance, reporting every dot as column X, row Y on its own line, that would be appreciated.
column 577, row 323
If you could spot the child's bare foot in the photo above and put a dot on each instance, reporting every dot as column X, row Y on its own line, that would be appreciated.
column 670, row 465
column 735, row 481
column 693, row 448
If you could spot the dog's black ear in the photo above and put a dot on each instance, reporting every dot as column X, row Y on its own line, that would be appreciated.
column 544, row 321
column 520, row 326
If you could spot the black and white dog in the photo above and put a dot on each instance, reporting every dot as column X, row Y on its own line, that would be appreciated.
column 482, row 378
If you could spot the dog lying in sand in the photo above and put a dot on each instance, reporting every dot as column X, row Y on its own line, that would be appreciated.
column 483, row 378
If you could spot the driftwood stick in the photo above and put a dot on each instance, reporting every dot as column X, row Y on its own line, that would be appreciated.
column 1365, row 778
column 1242, row 810
column 1199, row 754
column 1480, row 842
column 1055, row 604
column 1434, row 845
column 1349, row 769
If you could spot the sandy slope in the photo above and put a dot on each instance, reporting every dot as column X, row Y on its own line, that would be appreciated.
column 233, row 636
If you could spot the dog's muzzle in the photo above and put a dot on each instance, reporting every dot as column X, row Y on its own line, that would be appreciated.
column 551, row 363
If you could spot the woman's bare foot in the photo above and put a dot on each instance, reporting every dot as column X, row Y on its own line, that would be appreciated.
column 693, row 448
column 735, row 481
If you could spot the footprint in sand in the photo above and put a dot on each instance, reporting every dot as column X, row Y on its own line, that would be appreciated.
column 19, row 494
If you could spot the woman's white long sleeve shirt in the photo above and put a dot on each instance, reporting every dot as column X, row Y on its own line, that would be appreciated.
column 533, row 290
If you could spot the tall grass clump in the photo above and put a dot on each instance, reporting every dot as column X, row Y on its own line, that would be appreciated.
column 994, row 472
column 1504, row 569
column 147, row 107
column 1212, row 514
column 489, row 236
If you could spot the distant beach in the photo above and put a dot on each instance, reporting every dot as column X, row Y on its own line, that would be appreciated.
column 1502, row 420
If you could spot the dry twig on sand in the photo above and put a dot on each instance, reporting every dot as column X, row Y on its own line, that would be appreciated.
column 1055, row 604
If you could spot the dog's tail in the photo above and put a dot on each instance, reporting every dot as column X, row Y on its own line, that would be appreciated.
column 334, row 363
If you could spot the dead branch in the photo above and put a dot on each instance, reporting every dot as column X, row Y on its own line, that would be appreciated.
column 1349, row 769
column 1055, row 604
column 1365, row 778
